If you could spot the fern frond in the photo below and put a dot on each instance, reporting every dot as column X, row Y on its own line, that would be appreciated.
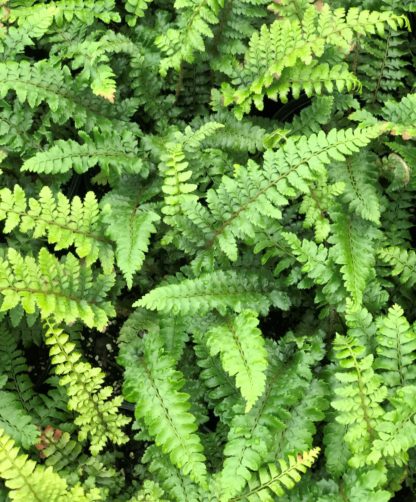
column 30, row 482
column 242, row 352
column 274, row 480
column 65, row 223
column 300, row 428
column 362, row 192
column 149, row 492
column 402, row 116
column 216, row 290
column 152, row 383
column 358, row 397
column 397, row 430
column 403, row 263
column 251, row 435
column 15, row 420
column 64, row 11
column 132, row 239
column 396, row 349
column 67, row 456
column 175, row 168
column 66, row 289
column 43, row 82
column 193, row 24
column 179, row 487
column 311, row 119
column 109, row 150
column 237, row 22
column 353, row 249
column 93, row 56
column 14, row 365
column 221, row 392
column 135, row 9
column 286, row 49
column 241, row 204
column 98, row 415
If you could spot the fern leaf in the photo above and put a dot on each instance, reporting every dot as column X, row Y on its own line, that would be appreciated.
column 170, row 478
column 274, row 480
column 358, row 397
column 403, row 263
column 135, row 8
column 252, row 435
column 221, row 392
column 118, row 151
column 396, row 348
column 155, row 386
column 65, row 289
column 243, row 354
column 15, row 421
column 66, row 98
column 194, row 23
column 353, row 249
column 175, row 168
column 217, row 290
column 62, row 11
column 361, row 192
column 28, row 481
column 132, row 239
column 98, row 417
column 65, row 223
column 241, row 204
column 397, row 430
column 402, row 116
column 280, row 57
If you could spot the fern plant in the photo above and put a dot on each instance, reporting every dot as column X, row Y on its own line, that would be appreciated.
column 207, row 258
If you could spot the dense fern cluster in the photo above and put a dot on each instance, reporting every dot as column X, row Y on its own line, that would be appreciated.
column 207, row 267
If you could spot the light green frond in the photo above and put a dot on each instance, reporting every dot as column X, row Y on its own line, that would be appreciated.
column 109, row 150
column 66, row 289
column 358, row 397
column 396, row 348
column 217, row 290
column 403, row 263
column 98, row 416
column 276, row 479
column 64, row 222
column 242, row 352
column 30, row 482
column 354, row 250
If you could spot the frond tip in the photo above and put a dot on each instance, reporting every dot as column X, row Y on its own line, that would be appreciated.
column 99, row 418
column 273, row 479
column 242, row 352
column 29, row 482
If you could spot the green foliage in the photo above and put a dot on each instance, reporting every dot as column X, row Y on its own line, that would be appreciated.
column 98, row 416
column 65, row 223
column 207, row 259
column 195, row 18
column 242, row 353
column 277, row 68
column 275, row 480
column 132, row 240
column 155, row 386
column 65, row 289
column 15, row 421
column 28, row 481
column 353, row 250
column 217, row 290
column 106, row 149
column 396, row 348
column 358, row 396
